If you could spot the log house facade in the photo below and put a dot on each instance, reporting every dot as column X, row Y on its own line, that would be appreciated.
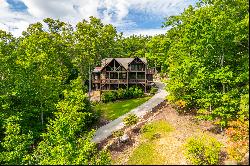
column 115, row 73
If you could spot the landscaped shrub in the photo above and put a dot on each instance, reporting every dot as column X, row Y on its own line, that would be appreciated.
column 121, row 93
column 153, row 90
column 132, row 92
column 131, row 119
column 203, row 150
column 137, row 92
column 118, row 133
column 109, row 96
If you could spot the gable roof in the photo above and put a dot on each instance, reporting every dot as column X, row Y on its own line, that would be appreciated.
column 123, row 61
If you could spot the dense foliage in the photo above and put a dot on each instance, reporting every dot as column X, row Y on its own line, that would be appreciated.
column 153, row 90
column 203, row 150
column 45, row 113
column 208, row 67
column 132, row 92
column 238, row 132
column 208, row 58
column 131, row 119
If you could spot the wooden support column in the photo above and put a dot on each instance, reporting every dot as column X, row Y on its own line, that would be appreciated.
column 118, row 79
column 136, row 78
column 109, row 81
column 127, row 79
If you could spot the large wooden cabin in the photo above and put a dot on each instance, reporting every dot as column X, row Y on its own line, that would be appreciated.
column 115, row 73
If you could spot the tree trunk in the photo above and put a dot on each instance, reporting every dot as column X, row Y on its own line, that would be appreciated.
column 210, row 107
column 222, row 64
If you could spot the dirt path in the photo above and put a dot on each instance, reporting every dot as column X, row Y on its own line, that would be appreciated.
column 170, row 147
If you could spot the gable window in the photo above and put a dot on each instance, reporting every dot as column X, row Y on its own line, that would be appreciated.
column 108, row 68
column 133, row 67
column 140, row 67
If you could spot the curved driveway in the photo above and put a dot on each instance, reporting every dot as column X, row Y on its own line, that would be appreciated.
column 106, row 130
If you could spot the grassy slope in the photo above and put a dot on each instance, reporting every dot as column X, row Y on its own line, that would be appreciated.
column 146, row 153
column 113, row 110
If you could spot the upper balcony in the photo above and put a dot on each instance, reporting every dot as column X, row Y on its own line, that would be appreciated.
column 113, row 81
column 137, row 67
column 137, row 80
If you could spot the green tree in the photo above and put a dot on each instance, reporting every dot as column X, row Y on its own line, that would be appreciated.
column 93, row 42
column 208, row 58
column 132, row 46
column 35, row 91
column 66, row 140
column 157, row 48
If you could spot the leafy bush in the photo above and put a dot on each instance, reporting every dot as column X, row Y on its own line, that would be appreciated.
column 203, row 150
column 121, row 93
column 244, row 108
column 16, row 141
column 180, row 104
column 238, row 132
column 131, row 119
column 109, row 96
column 153, row 90
column 238, row 144
column 118, row 133
column 137, row 92
column 132, row 92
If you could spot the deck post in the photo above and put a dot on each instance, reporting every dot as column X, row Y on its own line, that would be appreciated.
column 136, row 78
column 109, row 81
column 118, row 79
column 127, row 79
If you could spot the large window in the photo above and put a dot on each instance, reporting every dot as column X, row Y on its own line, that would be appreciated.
column 137, row 67
column 133, row 67
column 140, row 67
column 113, row 75
column 122, row 76
column 140, row 76
column 132, row 76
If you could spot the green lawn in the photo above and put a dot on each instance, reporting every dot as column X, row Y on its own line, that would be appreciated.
column 113, row 110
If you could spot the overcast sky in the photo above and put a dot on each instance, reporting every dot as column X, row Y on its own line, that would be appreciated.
column 128, row 16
